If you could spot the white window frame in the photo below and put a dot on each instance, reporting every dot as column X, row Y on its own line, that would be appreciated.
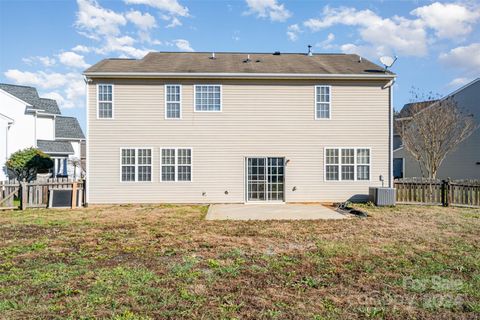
column 355, row 164
column 179, row 102
column 64, row 166
column 176, row 165
column 316, row 102
column 136, row 164
column 98, row 101
column 195, row 97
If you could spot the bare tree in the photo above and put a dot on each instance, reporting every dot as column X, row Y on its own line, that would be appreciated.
column 433, row 128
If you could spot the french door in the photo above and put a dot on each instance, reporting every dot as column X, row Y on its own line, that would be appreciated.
column 265, row 179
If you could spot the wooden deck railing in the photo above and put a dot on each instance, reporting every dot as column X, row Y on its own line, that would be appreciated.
column 438, row 192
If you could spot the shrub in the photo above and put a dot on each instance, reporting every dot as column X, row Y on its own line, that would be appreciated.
column 26, row 163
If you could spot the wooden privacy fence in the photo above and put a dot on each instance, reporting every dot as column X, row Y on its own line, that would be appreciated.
column 438, row 192
column 9, row 190
column 43, row 193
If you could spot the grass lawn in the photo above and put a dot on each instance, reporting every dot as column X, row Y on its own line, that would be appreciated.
column 166, row 262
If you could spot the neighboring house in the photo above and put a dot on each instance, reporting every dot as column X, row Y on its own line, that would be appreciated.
column 26, row 120
column 235, row 128
column 464, row 161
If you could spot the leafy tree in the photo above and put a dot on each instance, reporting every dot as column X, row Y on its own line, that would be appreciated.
column 26, row 163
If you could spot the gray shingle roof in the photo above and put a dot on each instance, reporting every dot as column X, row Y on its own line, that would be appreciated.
column 30, row 96
column 410, row 109
column 226, row 62
column 68, row 127
column 55, row 147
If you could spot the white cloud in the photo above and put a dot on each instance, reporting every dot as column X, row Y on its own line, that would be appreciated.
column 170, row 6
column 72, row 59
column 95, row 21
column 104, row 25
column 174, row 22
column 144, row 21
column 41, row 79
column 145, row 37
column 172, row 10
column 385, row 35
column 236, row 35
column 400, row 35
column 270, row 9
column 45, row 61
column 55, row 95
column 466, row 58
column 183, row 45
column 449, row 20
column 293, row 31
column 459, row 82
column 364, row 51
column 123, row 45
column 327, row 43
column 81, row 48
column 67, row 88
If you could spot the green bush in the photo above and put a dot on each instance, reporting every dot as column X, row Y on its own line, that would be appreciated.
column 26, row 163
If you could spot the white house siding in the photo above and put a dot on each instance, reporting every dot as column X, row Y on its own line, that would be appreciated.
column 45, row 128
column 462, row 162
column 72, row 170
column 258, row 118
column 22, row 131
column 3, row 146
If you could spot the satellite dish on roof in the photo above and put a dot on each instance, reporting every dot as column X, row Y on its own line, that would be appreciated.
column 388, row 61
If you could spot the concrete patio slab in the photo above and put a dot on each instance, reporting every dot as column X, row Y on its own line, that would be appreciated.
column 271, row 212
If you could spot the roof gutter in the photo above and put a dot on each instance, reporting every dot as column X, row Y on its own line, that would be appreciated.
column 42, row 112
column 223, row 75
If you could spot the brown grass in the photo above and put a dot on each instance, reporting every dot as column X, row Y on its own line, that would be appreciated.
column 167, row 262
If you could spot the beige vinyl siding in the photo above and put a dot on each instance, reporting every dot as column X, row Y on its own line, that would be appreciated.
column 258, row 118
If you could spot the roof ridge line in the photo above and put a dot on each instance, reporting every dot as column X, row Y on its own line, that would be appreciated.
column 244, row 52
column 17, row 85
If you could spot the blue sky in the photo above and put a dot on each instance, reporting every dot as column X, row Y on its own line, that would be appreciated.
column 47, row 44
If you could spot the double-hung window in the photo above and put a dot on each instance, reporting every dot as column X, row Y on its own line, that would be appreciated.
column 208, row 97
column 136, row 164
column 322, row 102
column 173, row 101
column 363, row 164
column 176, row 164
column 347, row 164
column 105, row 101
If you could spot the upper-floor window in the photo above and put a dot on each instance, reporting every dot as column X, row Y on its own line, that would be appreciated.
column 347, row 164
column 173, row 101
column 176, row 164
column 208, row 97
column 322, row 102
column 105, row 100
column 136, row 164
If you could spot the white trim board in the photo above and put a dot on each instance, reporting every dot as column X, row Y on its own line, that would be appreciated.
column 194, row 75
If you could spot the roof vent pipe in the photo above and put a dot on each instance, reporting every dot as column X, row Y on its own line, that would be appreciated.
column 310, row 51
column 213, row 56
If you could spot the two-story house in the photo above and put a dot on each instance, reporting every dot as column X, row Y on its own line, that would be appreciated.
column 464, row 161
column 26, row 120
column 237, row 128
